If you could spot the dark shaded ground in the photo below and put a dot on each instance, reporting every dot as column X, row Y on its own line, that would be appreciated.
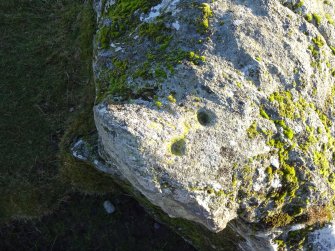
column 46, row 97
column 82, row 224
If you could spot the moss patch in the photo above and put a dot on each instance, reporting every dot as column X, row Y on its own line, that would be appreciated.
column 178, row 147
column 206, row 14
column 124, row 19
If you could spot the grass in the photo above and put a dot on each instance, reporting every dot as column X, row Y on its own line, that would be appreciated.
column 46, row 102
column 45, row 61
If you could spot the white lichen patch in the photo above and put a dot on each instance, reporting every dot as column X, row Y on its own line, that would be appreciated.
column 323, row 239
column 258, row 183
column 164, row 7
column 274, row 161
column 276, row 182
column 176, row 25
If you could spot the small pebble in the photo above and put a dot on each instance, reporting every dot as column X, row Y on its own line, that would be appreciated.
column 109, row 207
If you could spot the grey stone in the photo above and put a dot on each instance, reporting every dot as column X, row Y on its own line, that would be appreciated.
column 109, row 207
column 192, row 155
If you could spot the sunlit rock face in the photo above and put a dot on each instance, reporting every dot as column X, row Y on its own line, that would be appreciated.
column 222, row 110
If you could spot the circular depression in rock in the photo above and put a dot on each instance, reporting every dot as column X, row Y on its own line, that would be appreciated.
column 205, row 117
column 178, row 147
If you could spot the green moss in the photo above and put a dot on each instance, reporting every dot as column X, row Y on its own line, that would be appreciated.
column 269, row 172
column 159, row 104
column 279, row 220
column 317, row 18
column 252, row 130
column 197, row 99
column 287, row 108
column 206, row 14
column 333, row 49
column 299, row 4
column 178, row 147
column 220, row 193
column 310, row 141
column 327, row 123
column 297, row 210
column 143, row 71
column 318, row 41
column 161, row 59
column 157, row 32
column 280, row 198
column 321, row 161
column 263, row 113
column 280, row 243
column 124, row 18
column 234, row 181
column 289, row 133
column 309, row 17
column 195, row 58
column 294, row 6
column 117, row 77
column 287, row 173
column 160, row 73
column 103, row 37
column 319, row 130
column 172, row 99
column 329, row 19
column 290, row 174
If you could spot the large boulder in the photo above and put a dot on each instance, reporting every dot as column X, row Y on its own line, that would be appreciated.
column 222, row 111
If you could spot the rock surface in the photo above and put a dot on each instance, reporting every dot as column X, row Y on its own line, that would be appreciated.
column 223, row 110
column 323, row 239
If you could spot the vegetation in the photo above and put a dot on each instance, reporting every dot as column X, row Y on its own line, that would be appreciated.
column 263, row 113
column 45, row 62
column 123, row 19
column 252, row 130
column 317, row 18
column 206, row 14
column 178, row 147
column 278, row 220
column 282, row 111
column 318, row 41
column 47, row 98
column 159, row 58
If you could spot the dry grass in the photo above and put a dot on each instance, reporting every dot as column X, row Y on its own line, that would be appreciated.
column 318, row 215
